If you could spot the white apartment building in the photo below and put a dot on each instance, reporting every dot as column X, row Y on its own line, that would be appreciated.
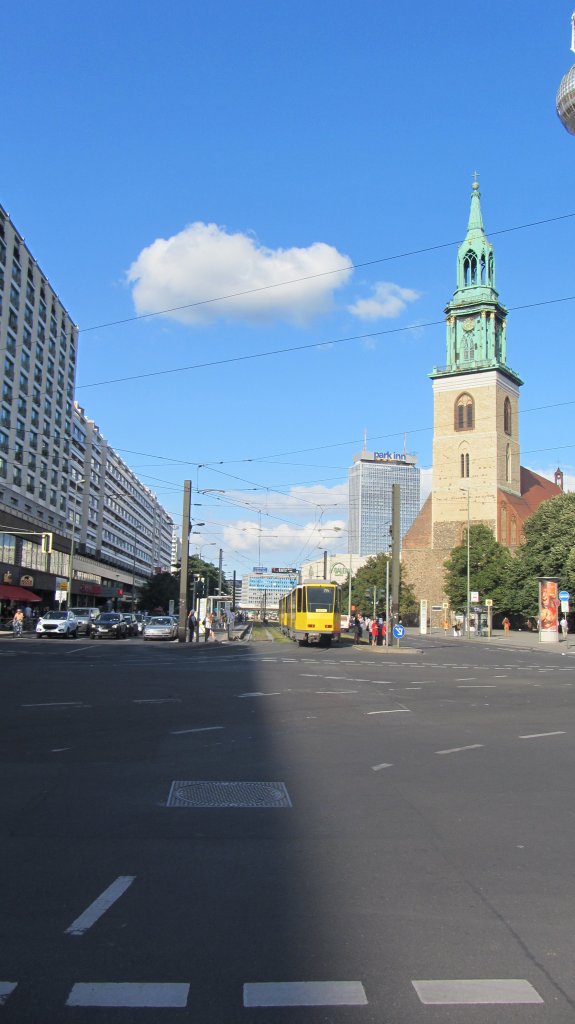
column 118, row 521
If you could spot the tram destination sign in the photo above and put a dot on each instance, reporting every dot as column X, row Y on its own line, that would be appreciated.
column 285, row 572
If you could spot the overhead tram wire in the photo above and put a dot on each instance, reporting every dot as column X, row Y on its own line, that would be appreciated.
column 299, row 348
column 324, row 273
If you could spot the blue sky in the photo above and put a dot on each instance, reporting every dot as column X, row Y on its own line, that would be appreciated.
column 160, row 157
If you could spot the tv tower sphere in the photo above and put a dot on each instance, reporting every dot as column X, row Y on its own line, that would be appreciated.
column 565, row 101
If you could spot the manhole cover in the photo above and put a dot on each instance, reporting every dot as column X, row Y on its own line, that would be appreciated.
column 228, row 794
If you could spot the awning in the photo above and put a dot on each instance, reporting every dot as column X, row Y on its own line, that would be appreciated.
column 9, row 593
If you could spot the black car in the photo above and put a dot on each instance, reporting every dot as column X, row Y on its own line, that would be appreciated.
column 109, row 625
column 131, row 622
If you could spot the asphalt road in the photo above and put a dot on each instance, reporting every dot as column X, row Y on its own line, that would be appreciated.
column 399, row 849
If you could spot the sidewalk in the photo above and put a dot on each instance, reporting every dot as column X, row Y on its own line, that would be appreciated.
column 515, row 640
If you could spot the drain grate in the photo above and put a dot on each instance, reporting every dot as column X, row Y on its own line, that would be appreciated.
column 228, row 794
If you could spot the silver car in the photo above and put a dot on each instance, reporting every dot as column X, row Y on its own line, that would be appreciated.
column 57, row 624
column 160, row 627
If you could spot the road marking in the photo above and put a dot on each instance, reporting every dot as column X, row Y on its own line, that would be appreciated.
column 204, row 728
column 478, row 686
column 125, row 993
column 158, row 700
column 78, row 649
column 456, row 750
column 500, row 677
column 406, row 688
column 309, row 675
column 336, row 691
column 276, row 694
column 479, row 991
column 537, row 735
column 100, row 905
column 6, row 987
column 305, row 993
column 59, row 704
column 378, row 767
column 465, row 679
column 393, row 711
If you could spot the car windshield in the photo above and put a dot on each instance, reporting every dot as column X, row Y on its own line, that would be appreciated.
column 109, row 617
column 55, row 615
column 320, row 599
column 160, row 621
column 80, row 611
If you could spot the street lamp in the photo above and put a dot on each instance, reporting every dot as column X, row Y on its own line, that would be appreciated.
column 78, row 481
column 466, row 491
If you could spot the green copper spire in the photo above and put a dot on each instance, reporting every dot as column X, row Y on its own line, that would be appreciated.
column 476, row 336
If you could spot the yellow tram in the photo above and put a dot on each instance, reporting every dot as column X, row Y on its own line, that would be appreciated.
column 311, row 613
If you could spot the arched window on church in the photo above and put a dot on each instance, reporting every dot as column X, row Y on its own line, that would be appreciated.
column 464, row 413
column 483, row 268
column 508, row 464
column 470, row 268
column 507, row 416
column 464, row 464
column 490, row 269
column 513, row 537
column 504, row 523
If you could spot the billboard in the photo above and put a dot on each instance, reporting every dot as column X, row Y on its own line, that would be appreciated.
column 548, row 605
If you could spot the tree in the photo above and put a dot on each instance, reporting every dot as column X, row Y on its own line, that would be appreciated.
column 159, row 591
column 489, row 564
column 548, row 549
column 373, row 575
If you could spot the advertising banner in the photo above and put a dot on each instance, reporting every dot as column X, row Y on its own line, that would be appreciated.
column 548, row 609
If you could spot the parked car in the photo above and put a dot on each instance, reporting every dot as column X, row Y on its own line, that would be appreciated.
column 57, row 624
column 85, row 617
column 160, row 627
column 131, row 622
column 109, row 625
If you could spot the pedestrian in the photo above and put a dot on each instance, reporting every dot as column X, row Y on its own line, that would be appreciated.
column 367, row 624
column 445, row 626
column 18, row 623
column 380, row 631
column 208, row 626
column 191, row 625
column 506, row 624
column 564, row 626
column 357, row 629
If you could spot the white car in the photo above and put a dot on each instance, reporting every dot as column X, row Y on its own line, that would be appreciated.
column 57, row 624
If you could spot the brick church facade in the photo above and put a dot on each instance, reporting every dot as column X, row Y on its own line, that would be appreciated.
column 477, row 476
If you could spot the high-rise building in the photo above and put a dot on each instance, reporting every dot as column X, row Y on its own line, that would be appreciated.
column 371, row 479
column 565, row 102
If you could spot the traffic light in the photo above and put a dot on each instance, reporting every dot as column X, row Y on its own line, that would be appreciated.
column 46, row 543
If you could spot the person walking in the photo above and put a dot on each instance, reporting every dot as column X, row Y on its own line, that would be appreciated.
column 207, row 627
column 18, row 623
column 357, row 629
column 191, row 625
column 506, row 624
column 564, row 626
column 374, row 632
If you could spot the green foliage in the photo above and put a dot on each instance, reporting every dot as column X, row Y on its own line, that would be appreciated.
column 548, row 550
column 372, row 576
column 490, row 565
column 159, row 591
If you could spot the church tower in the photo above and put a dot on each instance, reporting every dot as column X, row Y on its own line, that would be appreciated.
column 476, row 473
column 476, row 398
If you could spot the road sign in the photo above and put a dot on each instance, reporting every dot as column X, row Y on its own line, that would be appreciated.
column 445, row 605
column 489, row 602
column 398, row 631
column 474, row 597
column 564, row 595
column 565, row 607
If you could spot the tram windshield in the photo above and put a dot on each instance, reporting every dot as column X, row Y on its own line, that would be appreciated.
column 320, row 599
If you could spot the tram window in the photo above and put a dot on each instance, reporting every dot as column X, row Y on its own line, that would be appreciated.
column 337, row 601
column 300, row 600
column 320, row 599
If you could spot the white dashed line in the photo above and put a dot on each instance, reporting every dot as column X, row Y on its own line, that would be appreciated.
column 158, row 700
column 393, row 711
column 336, row 691
column 305, row 993
column 538, row 735
column 124, row 993
column 480, row 991
column 456, row 750
column 99, row 907
column 203, row 728
column 478, row 686
column 378, row 767
column 277, row 693
column 6, row 987
column 58, row 704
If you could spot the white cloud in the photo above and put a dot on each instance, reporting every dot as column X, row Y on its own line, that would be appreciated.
column 205, row 262
column 388, row 300
column 244, row 535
